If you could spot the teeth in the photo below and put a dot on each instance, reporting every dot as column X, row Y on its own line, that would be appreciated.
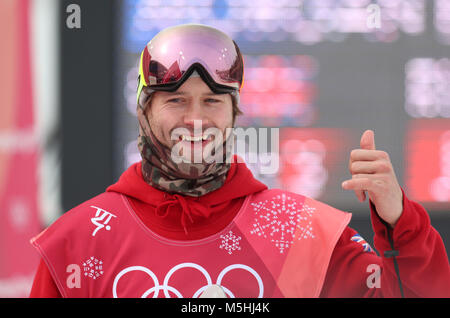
column 192, row 138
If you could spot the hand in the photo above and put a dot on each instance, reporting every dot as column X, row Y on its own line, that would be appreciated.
column 372, row 171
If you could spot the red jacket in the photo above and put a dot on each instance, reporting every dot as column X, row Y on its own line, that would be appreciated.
column 422, row 259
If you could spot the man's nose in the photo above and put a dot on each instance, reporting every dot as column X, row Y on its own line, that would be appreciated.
column 194, row 113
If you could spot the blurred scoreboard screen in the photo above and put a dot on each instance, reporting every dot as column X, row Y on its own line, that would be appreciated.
column 321, row 72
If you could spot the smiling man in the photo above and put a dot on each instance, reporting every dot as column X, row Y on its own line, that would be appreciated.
column 181, row 134
column 178, row 224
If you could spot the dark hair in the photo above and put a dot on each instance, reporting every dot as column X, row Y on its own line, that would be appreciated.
column 236, row 110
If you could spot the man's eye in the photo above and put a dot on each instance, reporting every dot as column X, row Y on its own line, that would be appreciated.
column 212, row 100
column 174, row 100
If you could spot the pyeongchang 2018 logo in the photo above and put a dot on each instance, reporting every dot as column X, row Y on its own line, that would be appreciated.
column 165, row 289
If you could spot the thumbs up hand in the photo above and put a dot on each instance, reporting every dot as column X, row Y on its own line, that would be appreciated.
column 372, row 171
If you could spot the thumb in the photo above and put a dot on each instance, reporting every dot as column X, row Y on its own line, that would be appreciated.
column 368, row 140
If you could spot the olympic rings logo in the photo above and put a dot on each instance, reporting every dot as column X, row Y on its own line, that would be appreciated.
column 166, row 288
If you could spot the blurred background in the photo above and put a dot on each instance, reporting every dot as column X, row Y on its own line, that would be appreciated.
column 320, row 71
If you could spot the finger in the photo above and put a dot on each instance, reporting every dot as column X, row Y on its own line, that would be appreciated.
column 368, row 140
column 358, row 167
column 369, row 167
column 368, row 155
column 361, row 155
column 359, row 183
column 361, row 195
column 364, row 176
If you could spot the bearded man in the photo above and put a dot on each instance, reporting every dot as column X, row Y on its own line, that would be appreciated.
column 181, row 225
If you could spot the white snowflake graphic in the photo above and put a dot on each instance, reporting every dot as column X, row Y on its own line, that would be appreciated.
column 283, row 220
column 230, row 242
column 93, row 268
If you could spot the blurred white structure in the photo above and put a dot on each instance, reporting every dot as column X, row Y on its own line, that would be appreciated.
column 45, row 60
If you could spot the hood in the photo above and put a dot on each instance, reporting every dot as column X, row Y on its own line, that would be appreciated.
column 239, row 183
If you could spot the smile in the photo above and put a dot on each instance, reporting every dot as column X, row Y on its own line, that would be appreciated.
column 195, row 139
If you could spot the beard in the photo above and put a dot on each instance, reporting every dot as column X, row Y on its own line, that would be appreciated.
column 205, row 147
column 195, row 145
column 162, row 170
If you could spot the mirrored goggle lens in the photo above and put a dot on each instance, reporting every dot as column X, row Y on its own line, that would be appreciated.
column 173, row 51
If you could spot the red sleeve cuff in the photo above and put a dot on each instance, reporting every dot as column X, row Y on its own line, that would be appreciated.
column 412, row 221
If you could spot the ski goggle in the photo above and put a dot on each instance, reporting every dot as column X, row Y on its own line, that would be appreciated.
column 175, row 52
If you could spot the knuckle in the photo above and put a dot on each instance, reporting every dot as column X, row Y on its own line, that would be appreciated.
column 380, row 184
column 386, row 179
column 383, row 166
column 384, row 155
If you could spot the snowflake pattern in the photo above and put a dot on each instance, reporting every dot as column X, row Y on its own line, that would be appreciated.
column 93, row 268
column 283, row 220
column 230, row 242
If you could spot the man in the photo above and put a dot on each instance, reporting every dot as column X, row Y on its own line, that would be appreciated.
column 180, row 225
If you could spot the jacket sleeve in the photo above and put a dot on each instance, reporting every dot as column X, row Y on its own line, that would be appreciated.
column 43, row 284
column 422, row 260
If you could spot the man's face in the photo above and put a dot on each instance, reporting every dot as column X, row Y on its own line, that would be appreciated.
column 174, row 115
